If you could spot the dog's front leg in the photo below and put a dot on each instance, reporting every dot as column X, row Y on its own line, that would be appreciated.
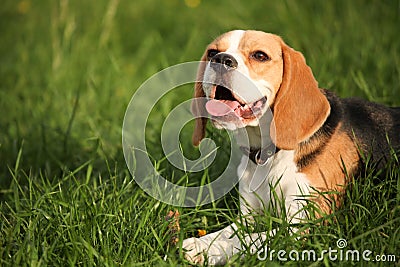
column 218, row 247
column 222, row 245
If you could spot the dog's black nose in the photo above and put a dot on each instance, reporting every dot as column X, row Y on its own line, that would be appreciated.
column 228, row 61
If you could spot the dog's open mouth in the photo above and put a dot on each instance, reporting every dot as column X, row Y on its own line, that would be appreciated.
column 224, row 103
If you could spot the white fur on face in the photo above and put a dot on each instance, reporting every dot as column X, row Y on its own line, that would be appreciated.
column 240, row 81
column 241, row 78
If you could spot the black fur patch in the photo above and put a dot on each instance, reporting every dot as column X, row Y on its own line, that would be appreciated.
column 374, row 128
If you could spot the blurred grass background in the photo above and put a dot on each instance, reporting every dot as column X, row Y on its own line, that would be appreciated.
column 69, row 68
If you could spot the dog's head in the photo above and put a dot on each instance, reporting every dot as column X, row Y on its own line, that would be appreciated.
column 282, row 80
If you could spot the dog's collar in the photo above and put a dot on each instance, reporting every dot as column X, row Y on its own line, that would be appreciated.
column 260, row 155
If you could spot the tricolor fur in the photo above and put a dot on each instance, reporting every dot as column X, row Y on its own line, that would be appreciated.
column 320, row 137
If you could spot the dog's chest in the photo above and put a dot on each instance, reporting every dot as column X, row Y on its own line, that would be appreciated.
column 279, row 174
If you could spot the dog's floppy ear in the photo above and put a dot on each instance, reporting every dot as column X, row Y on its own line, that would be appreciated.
column 198, row 108
column 300, row 107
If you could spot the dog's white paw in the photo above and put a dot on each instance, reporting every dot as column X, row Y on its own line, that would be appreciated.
column 199, row 250
column 194, row 250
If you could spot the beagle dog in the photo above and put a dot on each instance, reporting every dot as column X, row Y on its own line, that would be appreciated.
column 319, row 139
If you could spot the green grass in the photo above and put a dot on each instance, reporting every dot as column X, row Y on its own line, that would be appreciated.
column 68, row 70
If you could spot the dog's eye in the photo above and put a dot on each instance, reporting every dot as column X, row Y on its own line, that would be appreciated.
column 211, row 53
column 260, row 56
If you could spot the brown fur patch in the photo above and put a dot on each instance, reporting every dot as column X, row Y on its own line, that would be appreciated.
column 330, row 169
column 300, row 108
column 270, row 71
column 197, row 108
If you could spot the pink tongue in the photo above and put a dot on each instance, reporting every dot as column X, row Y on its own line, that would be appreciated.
column 221, row 107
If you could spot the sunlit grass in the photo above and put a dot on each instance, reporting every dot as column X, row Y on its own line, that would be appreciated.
column 68, row 70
